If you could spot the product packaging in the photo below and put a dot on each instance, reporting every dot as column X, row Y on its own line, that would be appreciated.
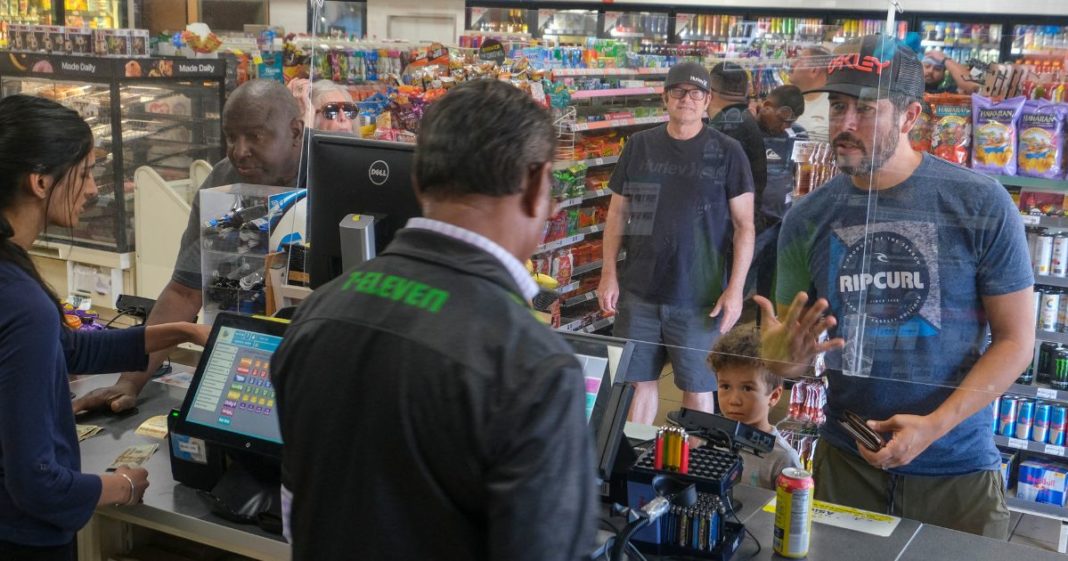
column 1043, row 482
column 951, row 127
column 1041, row 148
column 78, row 41
column 994, row 125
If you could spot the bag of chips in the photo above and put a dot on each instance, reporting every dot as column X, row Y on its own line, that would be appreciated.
column 951, row 127
column 1041, row 148
column 920, row 135
column 994, row 125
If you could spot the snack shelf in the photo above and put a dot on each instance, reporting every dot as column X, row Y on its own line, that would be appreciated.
column 618, row 123
column 580, row 299
column 568, row 203
column 1040, row 392
column 592, row 162
column 568, row 287
column 566, row 72
column 1037, row 509
column 960, row 44
column 593, row 266
column 1051, row 280
column 557, row 244
column 1030, row 446
column 596, row 194
column 1034, row 182
column 619, row 92
column 1051, row 336
column 577, row 325
column 1047, row 221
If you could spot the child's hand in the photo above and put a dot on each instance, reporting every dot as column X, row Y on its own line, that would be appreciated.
column 789, row 346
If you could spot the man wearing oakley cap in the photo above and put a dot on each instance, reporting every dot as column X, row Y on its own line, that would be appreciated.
column 680, row 193
column 907, row 260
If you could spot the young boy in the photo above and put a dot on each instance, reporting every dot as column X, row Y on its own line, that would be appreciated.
column 747, row 390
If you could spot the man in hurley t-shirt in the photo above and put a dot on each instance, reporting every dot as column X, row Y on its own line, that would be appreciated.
column 915, row 259
column 678, row 193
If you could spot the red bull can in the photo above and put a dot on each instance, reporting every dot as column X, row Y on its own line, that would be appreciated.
column 1040, row 430
column 794, row 491
column 1058, row 423
column 1025, row 418
column 1007, row 412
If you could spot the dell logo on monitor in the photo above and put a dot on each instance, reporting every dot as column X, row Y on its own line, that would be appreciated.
column 378, row 173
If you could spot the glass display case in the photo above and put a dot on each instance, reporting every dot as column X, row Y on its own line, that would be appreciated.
column 567, row 27
column 637, row 27
column 158, row 112
column 98, row 14
column 962, row 41
column 500, row 20
column 1038, row 39
column 30, row 12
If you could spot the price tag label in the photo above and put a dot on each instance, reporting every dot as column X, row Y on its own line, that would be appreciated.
column 1046, row 393
column 1031, row 220
column 1017, row 443
column 598, row 161
column 1054, row 450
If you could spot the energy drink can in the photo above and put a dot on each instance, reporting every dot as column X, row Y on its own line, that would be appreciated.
column 1058, row 423
column 1059, row 267
column 1007, row 412
column 1027, row 377
column 1025, row 418
column 1043, row 254
column 793, row 513
column 1049, row 315
column 1040, row 430
column 1047, row 354
column 1059, row 379
column 1038, row 305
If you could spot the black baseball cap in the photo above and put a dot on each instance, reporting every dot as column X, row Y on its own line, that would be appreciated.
column 873, row 67
column 692, row 73
column 730, row 80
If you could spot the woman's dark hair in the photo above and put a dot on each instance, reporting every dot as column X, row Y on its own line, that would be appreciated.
column 36, row 136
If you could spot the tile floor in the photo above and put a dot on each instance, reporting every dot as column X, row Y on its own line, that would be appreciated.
column 1026, row 529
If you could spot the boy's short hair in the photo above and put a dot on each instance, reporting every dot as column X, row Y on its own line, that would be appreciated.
column 740, row 348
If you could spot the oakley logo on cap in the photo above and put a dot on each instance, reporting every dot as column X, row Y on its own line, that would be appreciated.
column 855, row 62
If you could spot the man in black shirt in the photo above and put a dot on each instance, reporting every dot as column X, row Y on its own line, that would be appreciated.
column 426, row 413
column 728, row 112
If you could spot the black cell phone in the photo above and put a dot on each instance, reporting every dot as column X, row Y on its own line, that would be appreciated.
column 858, row 428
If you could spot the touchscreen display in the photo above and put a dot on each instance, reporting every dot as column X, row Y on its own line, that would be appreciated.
column 235, row 392
column 593, row 370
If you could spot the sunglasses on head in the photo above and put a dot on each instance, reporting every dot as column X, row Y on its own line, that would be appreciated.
column 333, row 109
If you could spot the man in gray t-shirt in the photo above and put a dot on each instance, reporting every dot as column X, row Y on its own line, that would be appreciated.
column 263, row 131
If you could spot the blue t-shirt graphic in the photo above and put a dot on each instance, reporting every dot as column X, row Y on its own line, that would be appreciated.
column 905, row 270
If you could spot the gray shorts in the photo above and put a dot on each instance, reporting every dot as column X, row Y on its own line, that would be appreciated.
column 682, row 333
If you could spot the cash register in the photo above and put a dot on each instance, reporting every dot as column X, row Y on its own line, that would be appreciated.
column 225, row 440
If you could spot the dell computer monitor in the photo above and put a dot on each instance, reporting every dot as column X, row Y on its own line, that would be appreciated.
column 350, row 175
column 231, row 400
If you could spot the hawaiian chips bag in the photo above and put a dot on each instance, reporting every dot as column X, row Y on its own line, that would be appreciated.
column 994, row 126
column 920, row 135
column 951, row 127
column 1041, row 148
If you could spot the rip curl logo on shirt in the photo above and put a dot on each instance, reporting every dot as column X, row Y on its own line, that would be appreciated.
column 890, row 273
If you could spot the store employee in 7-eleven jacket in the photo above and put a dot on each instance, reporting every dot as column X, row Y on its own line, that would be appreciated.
column 915, row 259
column 425, row 411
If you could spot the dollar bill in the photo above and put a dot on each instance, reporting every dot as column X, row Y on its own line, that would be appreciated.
column 86, row 431
column 134, row 456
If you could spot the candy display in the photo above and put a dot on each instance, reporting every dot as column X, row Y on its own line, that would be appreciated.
column 1041, row 145
column 994, row 126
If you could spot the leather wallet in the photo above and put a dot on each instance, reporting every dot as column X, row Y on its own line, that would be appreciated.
column 857, row 428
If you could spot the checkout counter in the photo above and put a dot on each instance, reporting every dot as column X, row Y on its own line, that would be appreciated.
column 180, row 511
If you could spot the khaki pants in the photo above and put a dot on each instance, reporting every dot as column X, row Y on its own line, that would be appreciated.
column 973, row 503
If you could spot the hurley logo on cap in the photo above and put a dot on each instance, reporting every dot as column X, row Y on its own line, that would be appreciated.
column 701, row 81
column 855, row 62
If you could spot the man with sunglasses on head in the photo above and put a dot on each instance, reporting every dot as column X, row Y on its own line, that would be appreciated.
column 777, row 117
column 728, row 112
column 263, row 129
column 682, row 199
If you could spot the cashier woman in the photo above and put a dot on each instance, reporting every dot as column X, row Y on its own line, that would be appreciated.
column 46, row 163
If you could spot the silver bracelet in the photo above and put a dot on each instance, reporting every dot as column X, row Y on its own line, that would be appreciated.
column 133, row 491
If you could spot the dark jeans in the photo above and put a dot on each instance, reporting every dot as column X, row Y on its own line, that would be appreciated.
column 16, row 552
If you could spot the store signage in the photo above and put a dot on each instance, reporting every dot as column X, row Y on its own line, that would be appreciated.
column 378, row 173
column 196, row 67
column 72, row 66
column 491, row 51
